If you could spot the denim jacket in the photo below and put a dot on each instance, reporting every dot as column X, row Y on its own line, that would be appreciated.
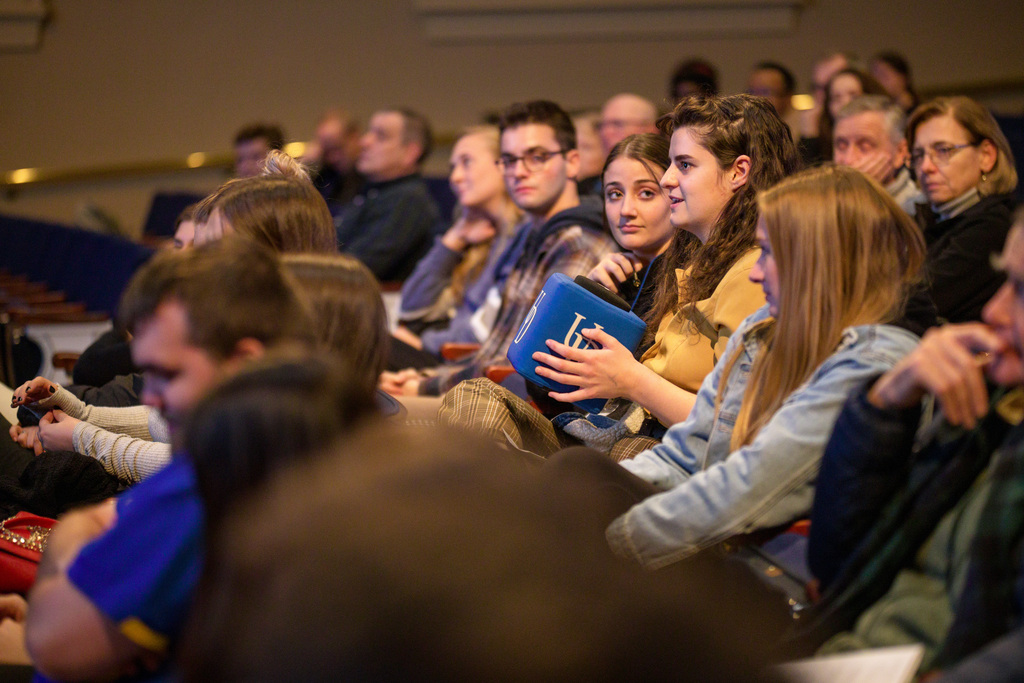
column 712, row 493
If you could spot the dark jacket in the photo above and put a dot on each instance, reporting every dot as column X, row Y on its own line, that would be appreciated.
column 958, row 267
column 389, row 226
column 883, row 488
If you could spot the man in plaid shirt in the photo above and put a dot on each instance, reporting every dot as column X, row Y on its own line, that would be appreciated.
column 560, row 234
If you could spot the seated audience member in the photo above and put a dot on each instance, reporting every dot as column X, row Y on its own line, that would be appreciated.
column 390, row 223
column 279, row 209
column 185, row 228
column 837, row 259
column 348, row 315
column 195, row 315
column 823, row 70
column 113, row 589
column 560, row 235
column 917, row 526
column 703, row 287
column 966, row 170
column 104, row 374
column 469, row 571
column 592, row 152
column 870, row 136
column 623, row 115
column 776, row 82
column 892, row 70
column 692, row 77
column 842, row 88
column 333, row 153
column 461, row 268
column 114, row 584
column 108, row 360
column 252, row 144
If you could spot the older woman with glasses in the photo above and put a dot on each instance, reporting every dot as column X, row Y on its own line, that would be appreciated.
column 965, row 168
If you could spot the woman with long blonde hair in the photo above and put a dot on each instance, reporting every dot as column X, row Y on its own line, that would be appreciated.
column 838, row 257
column 441, row 297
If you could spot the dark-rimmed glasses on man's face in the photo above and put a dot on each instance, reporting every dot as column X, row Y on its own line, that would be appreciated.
column 534, row 160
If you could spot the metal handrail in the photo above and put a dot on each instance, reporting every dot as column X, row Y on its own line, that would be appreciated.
column 21, row 178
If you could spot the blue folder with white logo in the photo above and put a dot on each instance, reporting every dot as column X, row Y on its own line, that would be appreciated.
column 564, row 309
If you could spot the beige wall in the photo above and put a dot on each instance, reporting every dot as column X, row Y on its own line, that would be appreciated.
column 124, row 81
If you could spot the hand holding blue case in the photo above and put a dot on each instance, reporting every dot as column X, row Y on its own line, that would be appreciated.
column 564, row 309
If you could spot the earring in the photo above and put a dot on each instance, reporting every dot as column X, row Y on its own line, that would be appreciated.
column 984, row 178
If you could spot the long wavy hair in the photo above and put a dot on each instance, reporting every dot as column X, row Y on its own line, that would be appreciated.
column 846, row 254
column 728, row 127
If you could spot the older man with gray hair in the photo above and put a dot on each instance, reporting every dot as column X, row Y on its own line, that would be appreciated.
column 870, row 137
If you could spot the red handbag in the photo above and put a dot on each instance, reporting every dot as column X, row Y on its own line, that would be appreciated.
column 22, row 542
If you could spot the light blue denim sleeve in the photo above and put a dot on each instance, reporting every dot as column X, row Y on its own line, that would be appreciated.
column 770, row 481
column 682, row 449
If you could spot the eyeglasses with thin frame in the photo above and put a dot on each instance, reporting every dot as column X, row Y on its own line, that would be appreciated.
column 939, row 154
column 534, row 160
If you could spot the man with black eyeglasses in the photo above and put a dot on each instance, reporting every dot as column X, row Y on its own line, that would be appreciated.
column 560, row 234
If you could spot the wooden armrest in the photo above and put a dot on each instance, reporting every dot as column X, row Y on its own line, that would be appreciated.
column 801, row 527
column 453, row 351
column 498, row 373
column 58, row 310
column 44, row 298
column 19, row 288
column 57, row 315
column 65, row 360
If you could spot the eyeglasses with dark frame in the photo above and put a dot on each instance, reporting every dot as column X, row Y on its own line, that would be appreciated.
column 939, row 154
column 534, row 160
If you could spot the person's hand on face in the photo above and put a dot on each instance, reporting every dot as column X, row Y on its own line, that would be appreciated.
column 877, row 165
column 469, row 230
